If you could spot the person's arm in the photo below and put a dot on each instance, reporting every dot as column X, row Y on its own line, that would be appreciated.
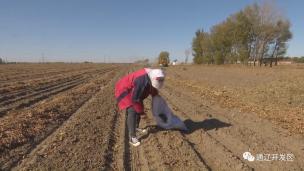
column 139, row 86
column 153, row 91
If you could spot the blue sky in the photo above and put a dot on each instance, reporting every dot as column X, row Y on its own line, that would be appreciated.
column 97, row 30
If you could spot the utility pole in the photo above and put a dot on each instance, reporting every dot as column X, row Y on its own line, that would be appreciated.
column 42, row 58
column 187, row 53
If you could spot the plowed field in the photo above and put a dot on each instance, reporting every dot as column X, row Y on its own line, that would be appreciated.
column 64, row 117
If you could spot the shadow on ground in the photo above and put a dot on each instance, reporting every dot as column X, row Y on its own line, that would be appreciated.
column 206, row 125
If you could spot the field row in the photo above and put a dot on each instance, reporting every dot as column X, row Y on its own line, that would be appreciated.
column 29, row 116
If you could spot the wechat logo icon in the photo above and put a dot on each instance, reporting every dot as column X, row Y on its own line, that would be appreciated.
column 248, row 156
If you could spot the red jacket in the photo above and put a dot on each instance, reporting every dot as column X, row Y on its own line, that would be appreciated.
column 132, row 89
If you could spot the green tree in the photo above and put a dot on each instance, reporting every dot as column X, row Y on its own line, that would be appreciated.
column 221, row 42
column 197, row 47
column 282, row 36
column 298, row 59
column 202, row 48
column 163, row 58
column 256, row 33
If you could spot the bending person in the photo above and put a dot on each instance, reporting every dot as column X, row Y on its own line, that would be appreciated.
column 131, row 90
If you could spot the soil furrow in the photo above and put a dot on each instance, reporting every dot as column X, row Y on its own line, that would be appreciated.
column 166, row 150
column 109, row 152
column 70, row 121
column 46, row 82
column 7, row 161
column 36, row 97
column 31, row 83
column 30, row 99
column 87, row 140
column 42, row 90
column 218, row 155
column 237, row 138
column 19, row 93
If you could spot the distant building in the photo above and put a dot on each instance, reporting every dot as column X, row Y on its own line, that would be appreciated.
column 174, row 62
column 285, row 62
column 2, row 61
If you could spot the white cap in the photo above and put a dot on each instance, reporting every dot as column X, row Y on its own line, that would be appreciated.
column 153, row 75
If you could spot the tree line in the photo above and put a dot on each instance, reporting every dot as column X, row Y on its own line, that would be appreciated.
column 257, row 34
column 295, row 59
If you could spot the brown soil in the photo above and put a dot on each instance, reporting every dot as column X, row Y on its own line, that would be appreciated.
column 86, row 132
